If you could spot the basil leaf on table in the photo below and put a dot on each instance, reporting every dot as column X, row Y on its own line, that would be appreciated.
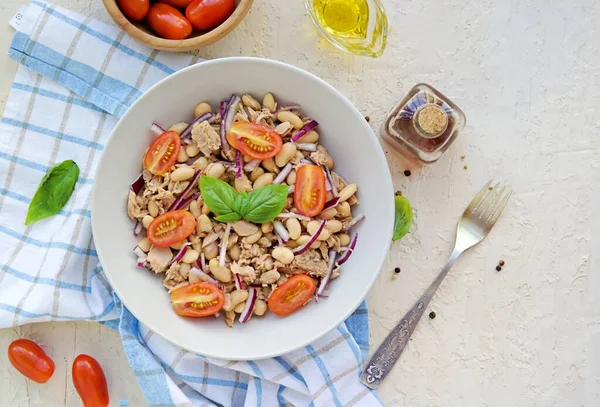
column 54, row 191
column 403, row 217
column 218, row 195
column 265, row 203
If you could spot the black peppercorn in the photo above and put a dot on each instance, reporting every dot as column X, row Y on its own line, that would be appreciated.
column 498, row 268
column 367, row 118
column 397, row 269
column 407, row 173
column 432, row 315
column 501, row 262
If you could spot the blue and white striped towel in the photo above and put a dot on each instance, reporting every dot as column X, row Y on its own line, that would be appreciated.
column 82, row 76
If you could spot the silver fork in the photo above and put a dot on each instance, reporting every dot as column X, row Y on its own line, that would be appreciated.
column 474, row 225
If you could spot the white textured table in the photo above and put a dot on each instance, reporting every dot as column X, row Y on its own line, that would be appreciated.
column 527, row 74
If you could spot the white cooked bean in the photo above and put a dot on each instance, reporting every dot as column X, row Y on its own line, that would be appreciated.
column 328, row 213
column 177, row 246
column 205, row 209
column 235, row 252
column 178, row 127
column 288, row 151
column 269, row 102
column 344, row 239
column 343, row 209
column 269, row 277
column 198, row 245
column 235, row 298
column 334, row 225
column 268, row 263
column 283, row 128
column 347, row 192
column 313, row 227
column 202, row 108
column 221, row 273
column 283, row 254
column 257, row 172
column 264, row 242
column 265, row 179
column 215, row 170
column 184, row 270
column 267, row 227
column 182, row 174
column 211, row 251
column 195, row 209
column 204, row 224
column 253, row 238
column 182, row 156
column 310, row 137
column 240, row 307
column 153, row 208
column 249, row 101
column 260, row 307
column 192, row 150
column 294, row 228
column 287, row 116
column 145, row 244
column 200, row 164
column 270, row 165
column 291, row 178
column 190, row 256
column 147, row 220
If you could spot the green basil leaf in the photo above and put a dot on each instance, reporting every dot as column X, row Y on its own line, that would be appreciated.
column 240, row 203
column 230, row 217
column 265, row 203
column 403, row 217
column 218, row 195
column 54, row 191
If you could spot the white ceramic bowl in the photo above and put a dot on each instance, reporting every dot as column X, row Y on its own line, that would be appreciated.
column 358, row 158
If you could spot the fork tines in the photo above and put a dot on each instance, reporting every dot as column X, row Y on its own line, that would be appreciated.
column 489, row 203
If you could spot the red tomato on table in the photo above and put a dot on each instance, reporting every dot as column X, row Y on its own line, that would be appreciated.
column 205, row 14
column 89, row 381
column 176, row 3
column 292, row 295
column 197, row 300
column 31, row 360
column 168, row 22
column 134, row 9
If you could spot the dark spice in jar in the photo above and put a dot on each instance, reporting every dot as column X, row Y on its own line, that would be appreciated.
column 432, row 315
column 407, row 173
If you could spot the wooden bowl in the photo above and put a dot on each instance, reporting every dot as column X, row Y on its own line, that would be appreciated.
column 142, row 32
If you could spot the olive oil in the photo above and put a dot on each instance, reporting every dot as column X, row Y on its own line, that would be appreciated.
column 357, row 26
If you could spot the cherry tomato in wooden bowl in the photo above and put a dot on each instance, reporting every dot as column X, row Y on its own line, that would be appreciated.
column 134, row 9
column 292, row 295
column 310, row 191
column 255, row 140
column 89, row 381
column 168, row 22
column 162, row 153
column 197, row 300
column 30, row 360
column 176, row 3
column 171, row 228
column 205, row 14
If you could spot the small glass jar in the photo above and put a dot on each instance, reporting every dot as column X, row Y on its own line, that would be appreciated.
column 424, row 124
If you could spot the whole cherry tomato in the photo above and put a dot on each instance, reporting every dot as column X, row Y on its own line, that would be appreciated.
column 176, row 3
column 89, row 381
column 134, row 9
column 205, row 14
column 31, row 360
column 168, row 22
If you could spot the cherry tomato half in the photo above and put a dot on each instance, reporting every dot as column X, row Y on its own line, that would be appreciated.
column 162, row 153
column 89, row 381
column 31, row 360
column 197, row 300
column 168, row 22
column 171, row 228
column 310, row 192
column 205, row 14
column 254, row 140
column 292, row 294
column 176, row 3
column 134, row 9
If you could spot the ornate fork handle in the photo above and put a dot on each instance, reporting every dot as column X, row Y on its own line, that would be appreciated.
column 389, row 351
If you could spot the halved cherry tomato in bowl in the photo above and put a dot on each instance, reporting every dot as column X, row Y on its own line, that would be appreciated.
column 89, row 381
column 162, row 153
column 197, row 300
column 310, row 191
column 134, row 10
column 30, row 360
column 168, row 22
column 205, row 14
column 292, row 295
column 255, row 140
column 171, row 228
column 176, row 3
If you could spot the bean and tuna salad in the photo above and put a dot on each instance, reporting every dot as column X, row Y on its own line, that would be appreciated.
column 241, row 210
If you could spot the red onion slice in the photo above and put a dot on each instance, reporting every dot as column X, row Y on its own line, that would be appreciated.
column 142, row 264
column 290, row 106
column 281, row 231
column 332, row 202
column 137, row 228
column 247, row 312
column 179, row 256
column 202, row 265
column 227, row 116
column 238, row 165
column 251, row 166
column 325, row 280
column 282, row 174
column 176, row 204
column 224, row 240
column 187, row 201
column 188, row 130
column 157, row 129
column 203, row 276
column 311, row 147
column 305, row 247
column 354, row 222
column 238, row 282
column 140, row 253
column 334, row 190
column 136, row 186
column 287, row 215
column 305, row 129
column 348, row 253
column 291, row 189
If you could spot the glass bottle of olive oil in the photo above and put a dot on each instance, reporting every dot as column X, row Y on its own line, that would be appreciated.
column 357, row 26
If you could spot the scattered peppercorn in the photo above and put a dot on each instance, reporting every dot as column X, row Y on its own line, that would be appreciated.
column 367, row 118
column 490, row 188
column 432, row 315
column 501, row 262
column 466, row 166
column 397, row 270
column 407, row 173
column 498, row 268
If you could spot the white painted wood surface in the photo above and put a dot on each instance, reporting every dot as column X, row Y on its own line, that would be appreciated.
column 527, row 74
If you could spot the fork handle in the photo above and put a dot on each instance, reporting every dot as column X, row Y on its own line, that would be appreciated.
column 385, row 357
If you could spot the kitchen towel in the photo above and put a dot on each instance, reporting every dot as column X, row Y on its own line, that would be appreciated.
column 76, row 76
